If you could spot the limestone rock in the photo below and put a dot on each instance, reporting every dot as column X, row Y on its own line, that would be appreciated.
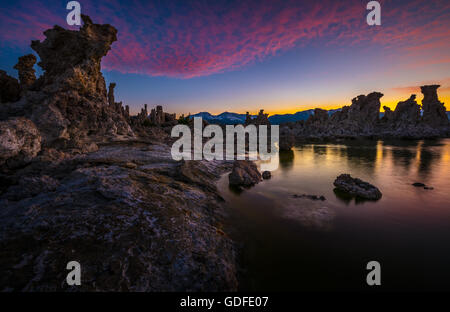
column 73, row 57
column 159, row 117
column 27, row 74
column 9, row 88
column 434, row 112
column 361, row 119
column 357, row 187
column 19, row 141
column 260, row 119
column 72, row 105
column 287, row 139
column 406, row 113
column 317, row 119
column 244, row 173
column 132, row 229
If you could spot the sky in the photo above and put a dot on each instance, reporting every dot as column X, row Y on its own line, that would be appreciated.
column 246, row 55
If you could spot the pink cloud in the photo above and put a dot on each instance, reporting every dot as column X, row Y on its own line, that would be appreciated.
column 444, row 83
column 196, row 38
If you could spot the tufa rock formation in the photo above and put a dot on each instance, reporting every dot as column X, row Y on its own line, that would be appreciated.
column 405, row 119
column 434, row 112
column 75, row 98
column 361, row 119
column 68, row 104
column 260, row 119
column 27, row 75
column 9, row 88
column 158, row 117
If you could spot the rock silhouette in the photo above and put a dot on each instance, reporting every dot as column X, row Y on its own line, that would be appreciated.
column 260, row 119
column 361, row 119
column 434, row 112
column 27, row 74
column 9, row 88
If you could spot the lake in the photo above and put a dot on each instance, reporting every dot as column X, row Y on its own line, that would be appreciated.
column 289, row 243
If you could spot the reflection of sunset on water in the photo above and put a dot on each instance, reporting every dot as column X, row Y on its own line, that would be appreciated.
column 406, row 221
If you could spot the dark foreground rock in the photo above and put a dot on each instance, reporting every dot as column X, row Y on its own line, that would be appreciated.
column 153, row 226
column 266, row 175
column 244, row 173
column 357, row 187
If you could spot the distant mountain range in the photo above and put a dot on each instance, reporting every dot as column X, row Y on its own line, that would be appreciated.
column 228, row 118
column 225, row 118
column 302, row 115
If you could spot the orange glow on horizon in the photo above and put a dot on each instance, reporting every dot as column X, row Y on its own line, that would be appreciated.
column 390, row 100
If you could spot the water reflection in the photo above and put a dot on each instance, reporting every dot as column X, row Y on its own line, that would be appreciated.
column 374, row 157
column 347, row 198
column 302, row 237
column 286, row 159
column 342, row 196
column 425, row 163
column 392, row 166
column 403, row 158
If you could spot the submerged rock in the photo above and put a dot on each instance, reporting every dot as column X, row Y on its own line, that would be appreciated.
column 420, row 184
column 244, row 173
column 312, row 197
column 357, row 187
column 266, row 175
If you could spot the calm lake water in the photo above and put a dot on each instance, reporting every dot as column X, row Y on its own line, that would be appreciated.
column 299, row 244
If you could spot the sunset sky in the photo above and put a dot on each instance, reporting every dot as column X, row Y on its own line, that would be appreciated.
column 282, row 56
